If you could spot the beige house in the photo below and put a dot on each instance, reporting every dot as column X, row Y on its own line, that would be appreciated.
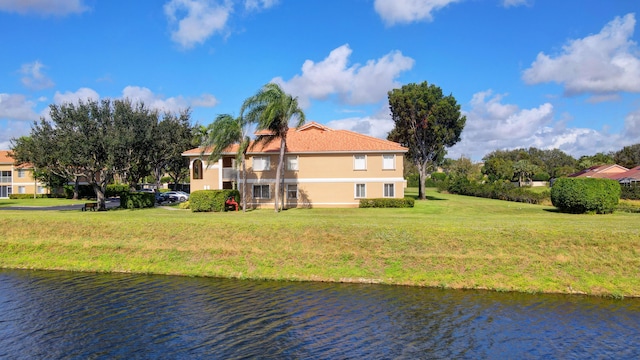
column 17, row 179
column 323, row 168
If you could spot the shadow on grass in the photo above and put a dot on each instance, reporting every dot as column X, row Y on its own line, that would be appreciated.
column 428, row 197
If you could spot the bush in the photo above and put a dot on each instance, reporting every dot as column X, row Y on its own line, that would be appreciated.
column 581, row 195
column 543, row 176
column 211, row 200
column 137, row 200
column 407, row 202
column 500, row 190
column 30, row 196
column 114, row 190
column 630, row 192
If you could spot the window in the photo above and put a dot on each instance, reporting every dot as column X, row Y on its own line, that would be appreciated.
column 389, row 190
column 5, row 176
column 261, row 163
column 388, row 162
column 21, row 173
column 197, row 169
column 359, row 162
column 292, row 191
column 292, row 163
column 261, row 192
column 21, row 190
column 41, row 189
column 361, row 191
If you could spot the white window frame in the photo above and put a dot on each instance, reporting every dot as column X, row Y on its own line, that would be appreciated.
column 360, row 162
column 22, row 173
column 290, row 190
column 388, row 161
column 292, row 163
column 41, row 189
column 22, row 190
column 386, row 193
column 360, row 194
column 261, row 186
column 263, row 161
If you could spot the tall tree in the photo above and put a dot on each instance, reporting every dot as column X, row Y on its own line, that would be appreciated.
column 272, row 109
column 172, row 136
column 426, row 122
column 628, row 156
column 224, row 132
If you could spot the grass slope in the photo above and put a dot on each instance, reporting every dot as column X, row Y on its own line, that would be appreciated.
column 449, row 241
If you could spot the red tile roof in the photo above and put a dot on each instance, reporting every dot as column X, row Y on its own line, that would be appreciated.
column 5, row 158
column 317, row 138
column 602, row 171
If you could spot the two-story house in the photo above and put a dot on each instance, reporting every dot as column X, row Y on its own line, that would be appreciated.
column 323, row 168
column 16, row 179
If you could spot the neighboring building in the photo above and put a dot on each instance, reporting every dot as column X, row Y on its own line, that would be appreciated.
column 323, row 168
column 17, row 179
column 615, row 172
column 601, row 171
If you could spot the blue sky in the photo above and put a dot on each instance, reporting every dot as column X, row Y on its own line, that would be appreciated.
column 544, row 73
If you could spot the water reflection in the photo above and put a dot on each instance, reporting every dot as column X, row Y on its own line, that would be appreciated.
column 61, row 315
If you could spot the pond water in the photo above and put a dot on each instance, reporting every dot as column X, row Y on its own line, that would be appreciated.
column 63, row 315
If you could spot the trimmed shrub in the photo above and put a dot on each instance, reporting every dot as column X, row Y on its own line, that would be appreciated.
column 114, row 190
column 137, row 200
column 630, row 192
column 211, row 200
column 407, row 202
column 582, row 195
column 500, row 190
column 30, row 196
column 543, row 176
column 84, row 191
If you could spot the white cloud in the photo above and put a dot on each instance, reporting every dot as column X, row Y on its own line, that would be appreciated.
column 16, row 107
column 253, row 5
column 378, row 125
column 196, row 20
column 408, row 11
column 34, row 78
column 603, row 63
column 83, row 94
column 43, row 7
column 632, row 126
column 12, row 129
column 513, row 3
column 492, row 125
column 172, row 104
column 356, row 84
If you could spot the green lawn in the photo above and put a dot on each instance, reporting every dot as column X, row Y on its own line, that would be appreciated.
column 39, row 202
column 448, row 241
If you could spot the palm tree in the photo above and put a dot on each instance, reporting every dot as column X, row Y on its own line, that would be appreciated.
column 272, row 109
column 222, row 133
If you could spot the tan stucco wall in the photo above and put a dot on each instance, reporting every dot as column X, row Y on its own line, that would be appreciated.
column 26, row 182
column 324, row 180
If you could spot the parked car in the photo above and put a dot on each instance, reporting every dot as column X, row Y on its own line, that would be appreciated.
column 175, row 196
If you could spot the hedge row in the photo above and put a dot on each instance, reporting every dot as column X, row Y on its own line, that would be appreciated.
column 137, row 200
column 407, row 202
column 30, row 196
column 630, row 192
column 497, row 190
column 211, row 200
column 582, row 195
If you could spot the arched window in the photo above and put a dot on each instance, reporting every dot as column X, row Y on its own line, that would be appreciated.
column 197, row 169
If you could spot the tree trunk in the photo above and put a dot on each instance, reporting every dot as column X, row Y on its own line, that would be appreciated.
column 244, row 184
column 422, row 172
column 279, row 174
column 76, row 188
